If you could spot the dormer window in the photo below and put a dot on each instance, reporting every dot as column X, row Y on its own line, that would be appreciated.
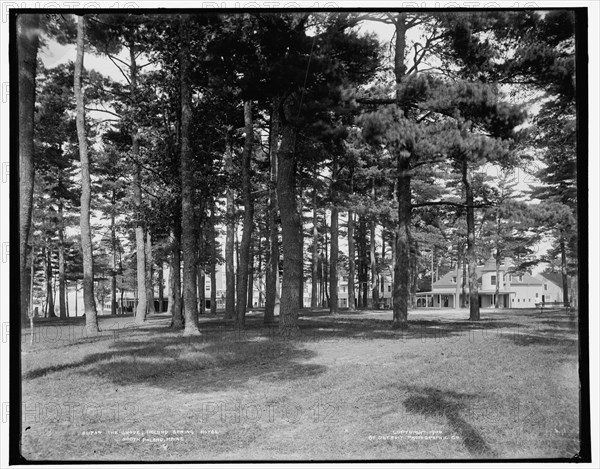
column 453, row 279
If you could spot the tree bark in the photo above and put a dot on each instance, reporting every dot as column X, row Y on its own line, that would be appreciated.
column 259, row 275
column 61, row 263
column 290, row 233
column 249, row 304
column 174, row 307
column 49, row 277
column 474, row 314
column 402, row 265
column 188, row 225
column 401, row 268
column 201, row 279
column 563, row 268
column 91, row 319
column 463, row 287
column 301, row 235
column 458, row 275
column 230, row 237
column 248, row 223
column 161, row 286
column 333, row 263
column 272, row 261
column 364, row 262
column 149, row 274
column 140, row 239
column 213, row 260
column 351, row 262
column 497, row 296
column 27, row 49
column 413, row 272
column 314, row 300
column 325, row 265
column 374, row 275
column 113, row 245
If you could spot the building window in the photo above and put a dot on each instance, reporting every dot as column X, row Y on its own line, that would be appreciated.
column 545, row 286
column 493, row 280
column 382, row 286
column 513, row 300
column 536, row 295
column 453, row 279
column 520, row 278
column 518, row 300
column 389, row 288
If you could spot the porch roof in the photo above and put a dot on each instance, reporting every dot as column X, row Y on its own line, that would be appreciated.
column 447, row 291
column 440, row 291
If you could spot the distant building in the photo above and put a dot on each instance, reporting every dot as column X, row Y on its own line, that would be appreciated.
column 517, row 290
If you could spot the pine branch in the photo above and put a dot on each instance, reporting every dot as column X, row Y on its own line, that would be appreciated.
column 452, row 204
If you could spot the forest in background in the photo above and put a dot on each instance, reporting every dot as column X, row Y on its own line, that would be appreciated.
column 279, row 126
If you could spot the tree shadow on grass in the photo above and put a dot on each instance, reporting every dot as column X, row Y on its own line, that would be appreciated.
column 562, row 343
column 434, row 402
column 192, row 364
column 421, row 329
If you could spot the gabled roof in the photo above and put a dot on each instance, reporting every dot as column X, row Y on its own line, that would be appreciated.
column 489, row 266
column 553, row 277
column 527, row 280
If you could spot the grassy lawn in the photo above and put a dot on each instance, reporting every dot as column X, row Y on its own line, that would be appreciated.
column 349, row 388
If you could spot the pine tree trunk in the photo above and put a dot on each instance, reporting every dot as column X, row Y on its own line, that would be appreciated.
column 314, row 300
column 27, row 49
column 140, row 239
column 413, row 273
column 201, row 279
column 213, row 260
column 188, row 225
column 272, row 261
column 113, row 246
column 402, row 267
column 67, row 298
column 174, row 307
column 229, row 238
column 471, row 256
column 458, row 276
column 301, row 235
column 248, row 223
column 326, row 267
column 149, row 274
column 463, row 302
column 290, row 233
column 364, row 262
column 563, row 268
column 49, row 277
column 161, row 286
column 91, row 319
column 373, row 268
column 351, row 262
column 249, row 304
column 333, row 263
column 259, row 273
column 61, row 263
column 497, row 297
